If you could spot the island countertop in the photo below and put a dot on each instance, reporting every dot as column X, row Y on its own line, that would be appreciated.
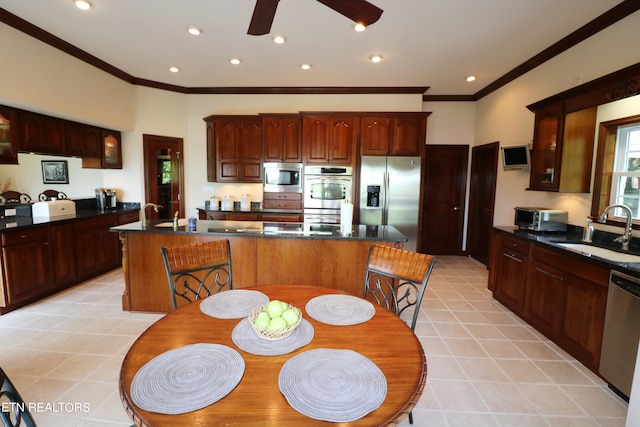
column 262, row 253
column 295, row 230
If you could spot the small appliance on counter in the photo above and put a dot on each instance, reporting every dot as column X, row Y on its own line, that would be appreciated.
column 53, row 209
column 541, row 219
column 106, row 198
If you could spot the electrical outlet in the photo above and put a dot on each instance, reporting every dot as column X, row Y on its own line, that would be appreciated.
column 9, row 212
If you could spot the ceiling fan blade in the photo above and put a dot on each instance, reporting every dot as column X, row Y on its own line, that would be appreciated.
column 360, row 11
column 262, row 17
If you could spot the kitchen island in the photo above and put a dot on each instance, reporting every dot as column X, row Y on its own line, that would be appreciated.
column 262, row 253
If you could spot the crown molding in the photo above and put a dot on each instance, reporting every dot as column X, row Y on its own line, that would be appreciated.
column 615, row 14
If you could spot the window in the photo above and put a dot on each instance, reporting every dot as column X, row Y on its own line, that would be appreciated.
column 625, row 183
column 617, row 174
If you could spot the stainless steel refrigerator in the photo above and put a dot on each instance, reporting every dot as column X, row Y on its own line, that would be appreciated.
column 390, row 194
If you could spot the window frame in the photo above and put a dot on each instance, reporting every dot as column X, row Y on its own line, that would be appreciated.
column 604, row 171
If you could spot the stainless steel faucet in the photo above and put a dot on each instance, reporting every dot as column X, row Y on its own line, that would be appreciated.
column 143, row 215
column 625, row 239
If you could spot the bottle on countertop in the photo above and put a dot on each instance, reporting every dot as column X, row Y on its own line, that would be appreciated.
column 587, row 234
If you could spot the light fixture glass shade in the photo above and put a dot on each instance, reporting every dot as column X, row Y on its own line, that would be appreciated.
column 174, row 69
column 82, row 4
column 279, row 39
column 194, row 30
column 235, row 61
column 359, row 27
column 375, row 58
column 305, row 66
column 471, row 78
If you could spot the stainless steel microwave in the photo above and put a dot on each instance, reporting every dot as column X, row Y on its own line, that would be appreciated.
column 283, row 177
column 541, row 219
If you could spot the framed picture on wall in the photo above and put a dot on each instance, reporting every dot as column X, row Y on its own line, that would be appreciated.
column 55, row 172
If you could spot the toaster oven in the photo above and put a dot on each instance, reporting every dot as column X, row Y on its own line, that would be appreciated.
column 541, row 219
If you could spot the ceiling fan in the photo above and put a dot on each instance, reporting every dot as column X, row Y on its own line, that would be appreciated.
column 360, row 11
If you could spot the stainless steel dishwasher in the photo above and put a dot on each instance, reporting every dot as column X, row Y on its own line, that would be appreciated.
column 621, row 332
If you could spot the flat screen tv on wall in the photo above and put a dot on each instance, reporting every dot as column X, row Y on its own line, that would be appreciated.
column 516, row 157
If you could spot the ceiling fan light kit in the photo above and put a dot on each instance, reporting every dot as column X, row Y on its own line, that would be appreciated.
column 360, row 11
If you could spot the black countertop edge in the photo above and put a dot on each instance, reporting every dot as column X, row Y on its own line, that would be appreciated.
column 17, row 222
column 574, row 235
column 289, row 230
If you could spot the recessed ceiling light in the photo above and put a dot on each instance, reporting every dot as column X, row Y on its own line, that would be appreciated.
column 194, row 30
column 359, row 27
column 279, row 39
column 305, row 66
column 174, row 69
column 471, row 78
column 375, row 58
column 83, row 4
column 235, row 61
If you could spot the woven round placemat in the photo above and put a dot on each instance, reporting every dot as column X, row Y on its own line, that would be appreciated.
column 340, row 310
column 232, row 304
column 332, row 384
column 187, row 378
column 248, row 340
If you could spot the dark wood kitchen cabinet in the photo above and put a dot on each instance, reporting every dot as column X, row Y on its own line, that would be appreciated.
column 282, row 138
column 562, row 151
column 41, row 134
column 329, row 139
column 98, row 248
column 9, row 136
column 558, row 293
column 83, row 140
column 511, row 276
column 234, row 144
column 26, row 257
column 568, row 302
column 393, row 134
column 63, row 253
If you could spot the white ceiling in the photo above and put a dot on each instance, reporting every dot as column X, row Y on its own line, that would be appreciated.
column 431, row 43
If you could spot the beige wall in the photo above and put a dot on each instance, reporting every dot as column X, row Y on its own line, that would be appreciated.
column 46, row 80
column 503, row 116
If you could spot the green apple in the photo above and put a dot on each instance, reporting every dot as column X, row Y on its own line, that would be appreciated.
column 284, row 305
column 274, row 308
column 276, row 324
column 262, row 319
column 291, row 316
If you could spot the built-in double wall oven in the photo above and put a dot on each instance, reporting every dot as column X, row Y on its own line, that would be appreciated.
column 325, row 189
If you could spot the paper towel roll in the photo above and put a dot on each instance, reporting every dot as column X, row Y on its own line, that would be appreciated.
column 346, row 217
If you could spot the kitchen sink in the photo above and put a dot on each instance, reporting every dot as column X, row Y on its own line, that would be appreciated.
column 599, row 252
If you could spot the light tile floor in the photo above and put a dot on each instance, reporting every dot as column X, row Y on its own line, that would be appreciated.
column 486, row 366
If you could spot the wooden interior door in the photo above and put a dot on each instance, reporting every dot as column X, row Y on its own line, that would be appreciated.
column 482, row 195
column 444, row 183
column 164, row 175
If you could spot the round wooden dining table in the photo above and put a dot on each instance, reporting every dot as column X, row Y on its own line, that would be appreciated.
column 256, row 400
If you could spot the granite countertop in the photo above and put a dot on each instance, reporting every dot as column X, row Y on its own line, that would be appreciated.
column 574, row 235
column 8, row 223
column 294, row 230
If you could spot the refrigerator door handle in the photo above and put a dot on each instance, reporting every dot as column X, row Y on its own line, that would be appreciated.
column 385, row 206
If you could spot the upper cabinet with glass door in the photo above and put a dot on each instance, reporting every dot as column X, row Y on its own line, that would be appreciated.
column 8, row 135
column 562, row 151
